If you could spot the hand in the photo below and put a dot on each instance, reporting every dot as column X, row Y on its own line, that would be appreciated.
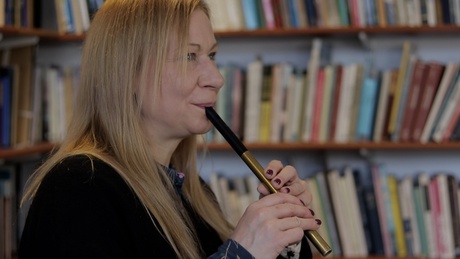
column 285, row 180
column 272, row 223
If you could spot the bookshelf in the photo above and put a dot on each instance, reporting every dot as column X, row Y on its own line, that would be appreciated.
column 327, row 154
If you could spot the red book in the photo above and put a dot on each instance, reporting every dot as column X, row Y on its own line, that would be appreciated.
column 415, row 88
column 335, row 101
column 433, row 78
column 318, row 105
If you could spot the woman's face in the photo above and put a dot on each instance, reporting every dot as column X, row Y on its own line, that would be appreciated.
column 179, row 111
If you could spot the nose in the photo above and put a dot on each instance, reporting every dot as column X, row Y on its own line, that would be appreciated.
column 211, row 76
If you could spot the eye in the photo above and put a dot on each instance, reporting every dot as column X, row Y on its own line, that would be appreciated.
column 191, row 56
column 212, row 55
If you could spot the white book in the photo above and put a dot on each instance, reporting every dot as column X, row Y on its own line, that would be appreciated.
column 456, row 11
column 235, row 16
column 402, row 14
column 86, row 21
column 295, row 90
column 281, row 74
column 449, row 75
column 431, row 12
column 77, row 14
column 313, row 67
column 329, row 80
column 417, row 13
column 219, row 15
column 362, row 14
column 448, row 247
column 339, row 206
column 252, row 103
column 451, row 103
column 359, row 240
column 342, row 131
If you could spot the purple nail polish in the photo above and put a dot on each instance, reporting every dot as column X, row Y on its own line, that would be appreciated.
column 312, row 212
column 270, row 172
column 277, row 181
column 318, row 221
column 288, row 190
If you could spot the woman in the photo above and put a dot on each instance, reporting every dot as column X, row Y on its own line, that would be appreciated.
column 124, row 182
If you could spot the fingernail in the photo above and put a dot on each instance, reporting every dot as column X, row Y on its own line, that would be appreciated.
column 270, row 172
column 303, row 203
column 312, row 212
column 288, row 190
column 318, row 221
column 277, row 181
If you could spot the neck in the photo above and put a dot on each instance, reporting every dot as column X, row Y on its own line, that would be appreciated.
column 163, row 151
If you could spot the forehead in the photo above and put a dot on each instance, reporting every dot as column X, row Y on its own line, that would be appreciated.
column 200, row 31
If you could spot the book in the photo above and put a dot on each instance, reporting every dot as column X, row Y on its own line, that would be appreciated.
column 252, row 102
column 434, row 73
column 453, row 189
column 325, row 197
column 448, row 107
column 401, row 246
column 381, row 107
column 367, row 107
column 414, row 90
column 403, row 67
column 313, row 68
column 448, row 80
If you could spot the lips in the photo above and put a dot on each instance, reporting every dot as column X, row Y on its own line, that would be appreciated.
column 204, row 105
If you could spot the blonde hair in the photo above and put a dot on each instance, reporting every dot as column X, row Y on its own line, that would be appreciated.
column 127, row 39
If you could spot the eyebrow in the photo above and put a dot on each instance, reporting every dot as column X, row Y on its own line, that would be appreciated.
column 196, row 45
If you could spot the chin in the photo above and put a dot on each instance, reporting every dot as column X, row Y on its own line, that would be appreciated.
column 202, row 129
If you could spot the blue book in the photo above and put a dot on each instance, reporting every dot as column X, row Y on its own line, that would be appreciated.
column 6, row 78
column 371, row 13
column 293, row 18
column 367, row 107
column 250, row 12
column 311, row 13
column 70, row 18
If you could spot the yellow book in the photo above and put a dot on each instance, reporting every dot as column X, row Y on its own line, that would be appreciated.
column 401, row 248
column 399, row 87
column 265, row 105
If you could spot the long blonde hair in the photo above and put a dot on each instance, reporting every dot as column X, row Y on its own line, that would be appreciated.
column 127, row 39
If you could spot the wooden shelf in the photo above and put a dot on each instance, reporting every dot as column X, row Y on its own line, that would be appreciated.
column 47, row 147
column 339, row 146
column 340, row 31
column 48, row 35
column 26, row 151
column 44, row 35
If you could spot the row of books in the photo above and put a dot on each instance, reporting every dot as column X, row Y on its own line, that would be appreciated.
column 286, row 14
column 36, row 103
column 342, row 103
column 64, row 16
column 412, row 216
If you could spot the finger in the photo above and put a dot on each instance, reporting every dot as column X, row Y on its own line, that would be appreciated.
column 273, row 168
column 295, row 188
column 285, row 177
column 278, row 199
column 262, row 189
column 296, row 222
